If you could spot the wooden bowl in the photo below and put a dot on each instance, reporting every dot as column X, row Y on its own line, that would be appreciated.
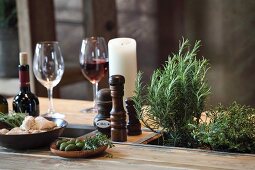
column 76, row 154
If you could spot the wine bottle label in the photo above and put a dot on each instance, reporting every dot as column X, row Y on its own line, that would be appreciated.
column 103, row 124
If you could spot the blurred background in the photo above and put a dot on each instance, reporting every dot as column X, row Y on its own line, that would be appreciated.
column 226, row 29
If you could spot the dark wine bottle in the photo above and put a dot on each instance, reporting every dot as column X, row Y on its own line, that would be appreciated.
column 3, row 105
column 25, row 101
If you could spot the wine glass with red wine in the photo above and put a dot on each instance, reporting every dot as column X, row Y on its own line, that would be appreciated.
column 94, row 63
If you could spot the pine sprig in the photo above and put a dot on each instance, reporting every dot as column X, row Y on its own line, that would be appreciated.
column 175, row 95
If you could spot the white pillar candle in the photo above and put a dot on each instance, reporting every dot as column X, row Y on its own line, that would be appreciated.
column 122, row 61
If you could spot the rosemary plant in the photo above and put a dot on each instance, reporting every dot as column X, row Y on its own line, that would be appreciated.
column 175, row 95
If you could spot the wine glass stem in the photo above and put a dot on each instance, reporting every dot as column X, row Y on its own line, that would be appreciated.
column 95, row 89
column 50, row 108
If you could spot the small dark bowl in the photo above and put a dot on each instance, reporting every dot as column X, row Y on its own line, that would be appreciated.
column 36, row 140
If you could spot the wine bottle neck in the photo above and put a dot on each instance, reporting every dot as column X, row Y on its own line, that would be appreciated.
column 25, row 89
column 24, row 77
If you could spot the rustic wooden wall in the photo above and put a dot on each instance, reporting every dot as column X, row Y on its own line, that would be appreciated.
column 170, row 27
column 100, row 19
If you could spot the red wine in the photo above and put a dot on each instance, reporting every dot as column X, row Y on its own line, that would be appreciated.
column 95, row 70
column 25, row 101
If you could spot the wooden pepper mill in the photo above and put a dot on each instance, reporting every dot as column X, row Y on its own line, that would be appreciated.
column 134, row 125
column 104, row 105
column 118, row 114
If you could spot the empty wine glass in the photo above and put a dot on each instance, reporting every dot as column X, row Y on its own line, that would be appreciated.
column 94, row 63
column 48, row 67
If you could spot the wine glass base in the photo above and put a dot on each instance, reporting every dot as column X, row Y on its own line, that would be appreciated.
column 54, row 115
column 89, row 110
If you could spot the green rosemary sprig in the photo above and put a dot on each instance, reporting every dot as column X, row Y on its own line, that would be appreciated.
column 94, row 142
column 12, row 119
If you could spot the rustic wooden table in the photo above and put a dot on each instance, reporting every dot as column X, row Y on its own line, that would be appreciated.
column 127, row 155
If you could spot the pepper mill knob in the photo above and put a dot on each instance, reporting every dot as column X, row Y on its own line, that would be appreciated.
column 134, row 125
column 117, row 84
column 118, row 114
column 104, row 105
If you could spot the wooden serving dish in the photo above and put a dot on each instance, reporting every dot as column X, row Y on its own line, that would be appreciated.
column 76, row 154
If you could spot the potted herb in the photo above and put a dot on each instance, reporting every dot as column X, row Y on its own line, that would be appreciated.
column 175, row 96
column 229, row 129
column 8, row 39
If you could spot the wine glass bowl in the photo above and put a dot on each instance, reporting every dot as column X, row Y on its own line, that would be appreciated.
column 48, row 68
column 94, row 70
column 94, row 63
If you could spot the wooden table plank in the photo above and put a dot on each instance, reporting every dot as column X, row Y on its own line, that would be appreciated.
column 132, row 157
column 71, row 109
